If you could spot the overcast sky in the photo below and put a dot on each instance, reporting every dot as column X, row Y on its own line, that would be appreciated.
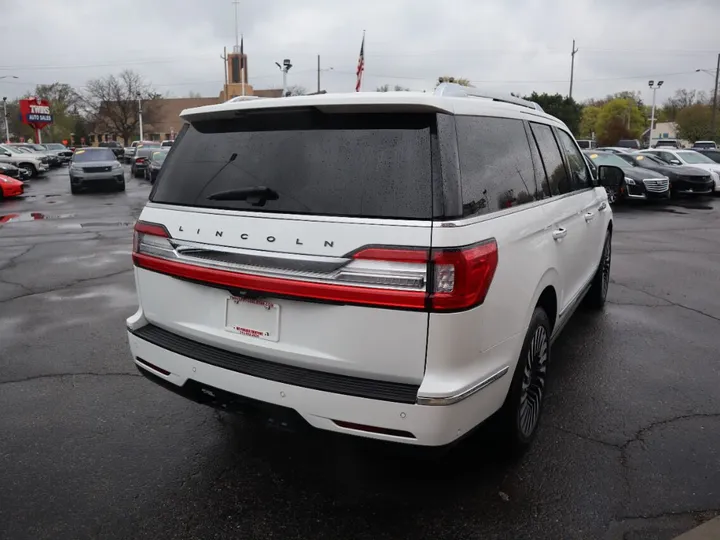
column 504, row 45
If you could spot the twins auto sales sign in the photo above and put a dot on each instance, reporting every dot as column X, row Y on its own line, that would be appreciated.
column 35, row 112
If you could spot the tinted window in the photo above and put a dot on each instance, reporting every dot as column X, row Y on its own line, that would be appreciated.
column 551, row 158
column 370, row 165
column 97, row 154
column 578, row 171
column 495, row 164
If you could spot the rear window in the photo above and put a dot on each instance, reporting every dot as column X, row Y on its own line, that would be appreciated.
column 355, row 165
column 628, row 143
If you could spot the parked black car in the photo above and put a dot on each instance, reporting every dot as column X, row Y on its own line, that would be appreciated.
column 155, row 164
column 116, row 147
column 683, row 179
column 12, row 171
column 640, row 183
column 141, row 160
column 711, row 153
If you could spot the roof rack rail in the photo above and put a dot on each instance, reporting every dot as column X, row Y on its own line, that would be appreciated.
column 456, row 90
column 242, row 98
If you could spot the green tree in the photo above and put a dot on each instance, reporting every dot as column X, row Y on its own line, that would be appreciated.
column 694, row 122
column 588, row 121
column 620, row 118
column 564, row 108
column 462, row 81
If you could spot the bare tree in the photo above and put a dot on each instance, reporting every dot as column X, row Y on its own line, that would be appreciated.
column 194, row 95
column 296, row 90
column 112, row 103
column 387, row 88
column 462, row 81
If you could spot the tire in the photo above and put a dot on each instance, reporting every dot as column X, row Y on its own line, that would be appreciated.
column 29, row 167
column 74, row 189
column 597, row 294
column 121, row 187
column 520, row 414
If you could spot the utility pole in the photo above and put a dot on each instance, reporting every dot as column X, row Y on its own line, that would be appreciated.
column 319, row 74
column 715, row 101
column 224, row 57
column 7, row 128
column 572, row 67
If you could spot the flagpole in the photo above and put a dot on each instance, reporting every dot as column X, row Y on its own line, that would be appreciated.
column 361, row 65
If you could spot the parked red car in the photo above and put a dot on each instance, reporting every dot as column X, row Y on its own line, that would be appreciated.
column 9, row 187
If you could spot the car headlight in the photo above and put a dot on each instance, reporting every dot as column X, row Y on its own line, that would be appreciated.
column 75, row 168
column 117, row 165
column 629, row 181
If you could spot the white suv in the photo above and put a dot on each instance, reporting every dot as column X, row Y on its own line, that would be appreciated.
column 388, row 265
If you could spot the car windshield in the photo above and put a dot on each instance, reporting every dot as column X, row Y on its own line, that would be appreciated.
column 95, row 154
column 671, row 144
column 694, row 157
column 149, row 145
column 23, row 149
column 647, row 159
column 607, row 159
column 38, row 147
column 56, row 146
column 704, row 145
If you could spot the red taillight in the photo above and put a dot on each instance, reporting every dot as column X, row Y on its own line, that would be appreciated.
column 461, row 277
column 405, row 278
column 140, row 160
column 143, row 228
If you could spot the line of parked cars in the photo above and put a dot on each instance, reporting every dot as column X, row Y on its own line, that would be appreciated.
column 661, row 172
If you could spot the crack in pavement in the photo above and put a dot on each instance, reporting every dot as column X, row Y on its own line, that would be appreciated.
column 63, row 287
column 67, row 375
column 670, row 302
column 12, row 260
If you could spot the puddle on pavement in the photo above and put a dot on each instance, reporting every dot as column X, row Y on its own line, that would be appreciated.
column 668, row 210
column 105, row 224
column 32, row 216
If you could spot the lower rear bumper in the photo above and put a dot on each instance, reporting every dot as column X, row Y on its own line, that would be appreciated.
column 407, row 423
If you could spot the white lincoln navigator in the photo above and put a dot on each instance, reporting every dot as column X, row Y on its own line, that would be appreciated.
column 388, row 265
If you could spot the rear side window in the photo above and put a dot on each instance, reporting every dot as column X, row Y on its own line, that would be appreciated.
column 495, row 164
column 576, row 162
column 551, row 158
column 304, row 162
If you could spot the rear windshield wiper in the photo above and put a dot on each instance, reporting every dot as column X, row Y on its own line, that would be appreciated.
column 255, row 195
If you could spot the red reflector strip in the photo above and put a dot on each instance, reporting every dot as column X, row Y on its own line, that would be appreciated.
column 375, row 429
column 285, row 287
column 393, row 255
column 152, row 366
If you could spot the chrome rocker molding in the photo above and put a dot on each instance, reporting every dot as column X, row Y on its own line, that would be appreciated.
column 455, row 398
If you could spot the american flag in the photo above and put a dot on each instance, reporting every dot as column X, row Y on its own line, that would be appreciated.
column 361, row 65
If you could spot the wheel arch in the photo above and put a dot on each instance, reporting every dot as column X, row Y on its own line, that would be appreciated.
column 546, row 296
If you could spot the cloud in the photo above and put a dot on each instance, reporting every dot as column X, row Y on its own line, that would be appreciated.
column 504, row 45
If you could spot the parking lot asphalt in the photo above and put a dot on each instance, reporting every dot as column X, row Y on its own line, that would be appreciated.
column 629, row 447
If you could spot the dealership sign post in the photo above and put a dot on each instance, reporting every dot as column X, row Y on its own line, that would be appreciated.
column 35, row 112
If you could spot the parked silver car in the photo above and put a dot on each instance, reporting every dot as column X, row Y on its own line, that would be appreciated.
column 94, row 166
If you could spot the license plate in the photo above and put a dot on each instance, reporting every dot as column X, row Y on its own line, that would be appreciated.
column 253, row 318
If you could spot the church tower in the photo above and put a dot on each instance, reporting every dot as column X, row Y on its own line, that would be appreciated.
column 237, row 74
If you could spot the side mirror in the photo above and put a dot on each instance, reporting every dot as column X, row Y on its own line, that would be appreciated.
column 675, row 162
column 4, row 153
column 610, row 176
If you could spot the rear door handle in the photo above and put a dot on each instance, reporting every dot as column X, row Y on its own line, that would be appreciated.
column 559, row 233
column 589, row 216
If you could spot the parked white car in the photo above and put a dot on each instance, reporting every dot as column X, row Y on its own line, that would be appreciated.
column 393, row 266
column 688, row 157
column 34, row 163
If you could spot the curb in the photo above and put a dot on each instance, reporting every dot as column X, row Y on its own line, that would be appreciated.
column 710, row 530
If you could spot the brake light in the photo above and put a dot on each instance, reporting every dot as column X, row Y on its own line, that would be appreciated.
column 140, row 160
column 406, row 278
column 462, row 277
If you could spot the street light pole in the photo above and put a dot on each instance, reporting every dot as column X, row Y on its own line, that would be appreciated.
column 140, row 117
column 715, row 100
column 654, row 88
column 285, row 67
column 5, row 117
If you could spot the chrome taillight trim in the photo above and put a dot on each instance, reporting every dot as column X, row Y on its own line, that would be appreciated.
column 350, row 272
